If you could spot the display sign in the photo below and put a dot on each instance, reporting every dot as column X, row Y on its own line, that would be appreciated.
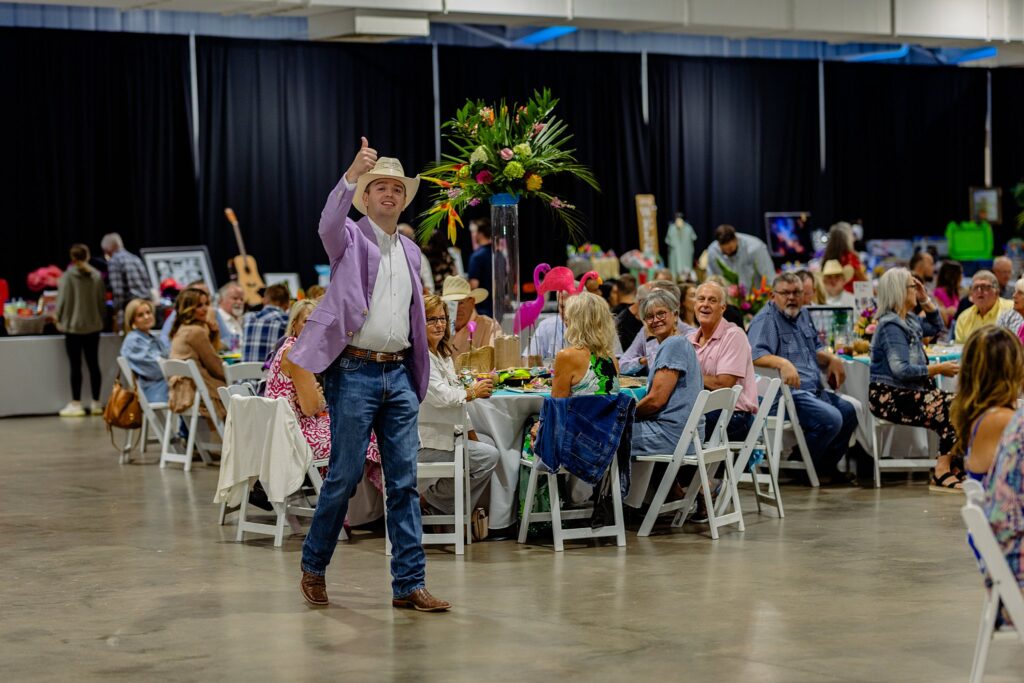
column 647, row 220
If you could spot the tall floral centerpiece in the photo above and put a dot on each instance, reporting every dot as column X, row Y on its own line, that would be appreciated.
column 502, row 155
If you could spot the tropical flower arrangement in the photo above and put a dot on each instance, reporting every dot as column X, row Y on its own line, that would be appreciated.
column 749, row 301
column 502, row 150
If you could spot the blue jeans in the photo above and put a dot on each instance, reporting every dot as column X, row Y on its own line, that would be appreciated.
column 363, row 395
column 828, row 423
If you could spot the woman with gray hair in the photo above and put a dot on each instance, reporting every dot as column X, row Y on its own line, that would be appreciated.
column 901, row 389
column 673, row 383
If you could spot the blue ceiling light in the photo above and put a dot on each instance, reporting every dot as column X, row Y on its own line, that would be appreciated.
column 961, row 56
column 546, row 34
column 884, row 56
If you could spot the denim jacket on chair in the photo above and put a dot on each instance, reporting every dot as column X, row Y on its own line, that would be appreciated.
column 583, row 434
column 897, row 354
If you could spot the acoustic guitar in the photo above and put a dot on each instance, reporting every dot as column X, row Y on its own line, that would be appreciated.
column 244, row 266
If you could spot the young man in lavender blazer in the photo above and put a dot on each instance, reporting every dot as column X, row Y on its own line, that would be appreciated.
column 368, row 338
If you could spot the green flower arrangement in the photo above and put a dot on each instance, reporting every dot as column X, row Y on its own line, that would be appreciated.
column 499, row 150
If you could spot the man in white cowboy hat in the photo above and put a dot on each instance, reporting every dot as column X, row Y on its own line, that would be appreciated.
column 368, row 338
column 483, row 330
column 834, row 277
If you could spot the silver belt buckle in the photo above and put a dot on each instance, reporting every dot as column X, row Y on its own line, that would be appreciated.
column 379, row 356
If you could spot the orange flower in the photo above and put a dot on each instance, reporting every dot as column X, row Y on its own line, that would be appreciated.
column 534, row 182
column 453, row 219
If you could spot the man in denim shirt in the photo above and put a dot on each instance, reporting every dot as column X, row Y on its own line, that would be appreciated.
column 782, row 337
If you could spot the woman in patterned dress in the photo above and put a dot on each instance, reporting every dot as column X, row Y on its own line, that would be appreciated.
column 305, row 394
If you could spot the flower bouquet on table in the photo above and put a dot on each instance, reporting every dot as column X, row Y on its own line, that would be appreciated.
column 749, row 300
column 502, row 150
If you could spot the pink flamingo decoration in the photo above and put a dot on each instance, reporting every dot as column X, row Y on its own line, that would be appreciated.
column 560, row 279
column 589, row 275
column 529, row 312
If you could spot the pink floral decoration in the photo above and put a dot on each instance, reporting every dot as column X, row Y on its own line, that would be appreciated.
column 484, row 177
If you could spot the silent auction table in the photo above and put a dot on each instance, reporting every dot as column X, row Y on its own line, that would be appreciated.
column 501, row 419
column 35, row 375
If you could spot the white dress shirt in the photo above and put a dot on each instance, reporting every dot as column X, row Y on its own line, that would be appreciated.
column 387, row 324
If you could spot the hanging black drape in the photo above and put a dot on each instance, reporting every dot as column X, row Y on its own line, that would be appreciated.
column 600, row 100
column 732, row 139
column 1008, row 139
column 280, row 123
column 904, row 145
column 96, row 139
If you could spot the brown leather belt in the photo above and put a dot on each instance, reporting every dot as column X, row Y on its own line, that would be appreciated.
column 375, row 356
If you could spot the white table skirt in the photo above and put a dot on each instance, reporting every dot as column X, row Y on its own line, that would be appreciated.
column 502, row 418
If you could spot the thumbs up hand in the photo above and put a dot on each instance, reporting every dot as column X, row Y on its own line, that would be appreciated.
column 365, row 160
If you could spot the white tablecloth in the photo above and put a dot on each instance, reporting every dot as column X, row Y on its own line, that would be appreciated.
column 502, row 418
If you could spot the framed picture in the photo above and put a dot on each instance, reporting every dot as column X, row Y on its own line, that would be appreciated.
column 183, row 264
column 289, row 280
column 986, row 203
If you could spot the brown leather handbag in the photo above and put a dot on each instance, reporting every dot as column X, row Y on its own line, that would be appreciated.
column 123, row 410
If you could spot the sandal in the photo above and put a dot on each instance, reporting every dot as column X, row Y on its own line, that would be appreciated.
column 940, row 485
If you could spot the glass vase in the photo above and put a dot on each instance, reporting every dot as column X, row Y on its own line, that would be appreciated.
column 505, row 259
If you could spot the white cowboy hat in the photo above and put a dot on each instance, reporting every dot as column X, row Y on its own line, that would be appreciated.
column 457, row 288
column 386, row 167
column 832, row 267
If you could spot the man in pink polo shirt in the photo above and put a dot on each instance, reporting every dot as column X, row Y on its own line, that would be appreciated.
column 724, row 356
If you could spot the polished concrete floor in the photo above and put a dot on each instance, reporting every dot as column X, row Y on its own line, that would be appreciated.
column 112, row 572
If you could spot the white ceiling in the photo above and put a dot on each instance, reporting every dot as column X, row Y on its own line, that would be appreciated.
column 952, row 23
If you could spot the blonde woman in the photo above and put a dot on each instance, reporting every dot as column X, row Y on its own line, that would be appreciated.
column 587, row 365
column 143, row 349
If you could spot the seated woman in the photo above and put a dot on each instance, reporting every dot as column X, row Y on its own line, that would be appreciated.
column 991, row 378
column 673, row 383
column 1004, row 499
column 305, row 394
column 442, row 409
column 725, row 358
column 143, row 350
column 192, row 338
column 901, row 388
column 586, row 365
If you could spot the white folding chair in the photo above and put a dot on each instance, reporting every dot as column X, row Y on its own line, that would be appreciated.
column 1005, row 588
column 556, row 515
column 882, row 432
column 785, row 418
column 242, row 372
column 225, row 394
column 458, row 471
column 150, row 420
column 757, row 438
column 284, row 513
column 188, row 368
column 707, row 457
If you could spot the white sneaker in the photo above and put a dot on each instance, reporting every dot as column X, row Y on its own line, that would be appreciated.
column 73, row 409
column 97, row 409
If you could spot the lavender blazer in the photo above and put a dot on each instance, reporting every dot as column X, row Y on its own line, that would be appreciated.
column 355, row 257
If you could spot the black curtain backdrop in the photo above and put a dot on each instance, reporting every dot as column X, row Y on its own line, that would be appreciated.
column 96, row 139
column 280, row 123
column 732, row 139
column 904, row 145
column 1008, row 140
column 600, row 100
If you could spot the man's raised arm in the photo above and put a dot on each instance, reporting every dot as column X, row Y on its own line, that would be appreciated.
column 332, row 218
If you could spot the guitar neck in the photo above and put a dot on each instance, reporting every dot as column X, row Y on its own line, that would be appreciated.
column 238, row 238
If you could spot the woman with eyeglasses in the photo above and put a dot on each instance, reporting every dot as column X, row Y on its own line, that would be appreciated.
column 442, row 409
column 673, row 383
column 901, row 389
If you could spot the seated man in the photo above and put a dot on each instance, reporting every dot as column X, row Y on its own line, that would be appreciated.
column 987, row 308
column 467, row 337
column 782, row 337
column 724, row 356
column 264, row 328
